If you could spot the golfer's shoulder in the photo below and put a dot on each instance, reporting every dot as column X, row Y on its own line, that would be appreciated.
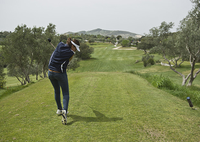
column 67, row 50
column 63, row 47
column 61, row 44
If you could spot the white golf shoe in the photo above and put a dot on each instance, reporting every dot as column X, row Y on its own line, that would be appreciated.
column 59, row 112
column 64, row 117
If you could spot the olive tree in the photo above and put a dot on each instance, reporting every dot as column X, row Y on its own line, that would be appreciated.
column 189, row 30
column 183, row 45
column 17, row 51
column 26, row 51
column 146, row 43
column 168, row 45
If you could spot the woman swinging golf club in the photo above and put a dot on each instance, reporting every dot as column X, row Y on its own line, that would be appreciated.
column 57, row 73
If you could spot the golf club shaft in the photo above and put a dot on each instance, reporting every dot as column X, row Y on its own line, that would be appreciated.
column 52, row 45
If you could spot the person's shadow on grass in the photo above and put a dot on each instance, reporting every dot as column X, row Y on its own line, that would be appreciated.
column 99, row 118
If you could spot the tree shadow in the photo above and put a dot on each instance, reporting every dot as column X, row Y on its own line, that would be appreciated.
column 99, row 118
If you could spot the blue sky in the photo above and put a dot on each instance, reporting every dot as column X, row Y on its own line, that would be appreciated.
column 137, row 16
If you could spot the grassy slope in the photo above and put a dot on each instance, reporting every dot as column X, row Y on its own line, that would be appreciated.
column 105, row 105
column 124, row 110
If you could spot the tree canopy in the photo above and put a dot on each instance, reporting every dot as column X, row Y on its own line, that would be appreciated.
column 27, row 51
column 180, row 46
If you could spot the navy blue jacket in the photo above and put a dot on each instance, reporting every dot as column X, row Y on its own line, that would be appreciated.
column 60, row 57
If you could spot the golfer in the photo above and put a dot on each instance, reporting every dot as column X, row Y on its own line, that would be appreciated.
column 58, row 76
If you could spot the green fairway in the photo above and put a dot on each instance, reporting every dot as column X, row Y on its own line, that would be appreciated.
column 105, row 59
column 106, row 104
column 103, row 107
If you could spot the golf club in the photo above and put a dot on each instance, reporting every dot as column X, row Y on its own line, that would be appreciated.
column 51, row 43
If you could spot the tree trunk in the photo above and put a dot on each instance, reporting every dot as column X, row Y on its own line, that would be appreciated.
column 180, row 63
column 192, row 62
column 24, row 81
column 36, row 76
column 28, row 79
column 44, row 71
column 19, row 80
column 184, row 81
column 37, row 72
column 183, row 76
column 190, row 82
column 193, row 76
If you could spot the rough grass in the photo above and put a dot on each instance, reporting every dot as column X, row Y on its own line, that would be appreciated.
column 106, row 106
column 164, row 83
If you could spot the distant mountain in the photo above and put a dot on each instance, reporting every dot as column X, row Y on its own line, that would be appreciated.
column 98, row 31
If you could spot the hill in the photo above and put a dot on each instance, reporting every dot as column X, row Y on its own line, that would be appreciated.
column 99, row 31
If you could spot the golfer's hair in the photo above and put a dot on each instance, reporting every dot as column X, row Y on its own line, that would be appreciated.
column 69, row 42
column 74, row 40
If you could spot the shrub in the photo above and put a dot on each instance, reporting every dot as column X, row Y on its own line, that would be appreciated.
column 151, row 61
column 125, row 43
column 2, row 83
column 73, row 64
column 157, row 81
column 158, row 61
column 145, row 63
column 148, row 59
column 85, row 51
column 91, row 40
column 162, row 82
